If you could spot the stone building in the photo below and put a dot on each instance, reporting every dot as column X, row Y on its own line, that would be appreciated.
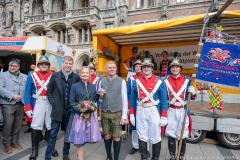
column 72, row 21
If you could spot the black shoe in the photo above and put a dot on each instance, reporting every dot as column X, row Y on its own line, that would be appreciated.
column 34, row 154
column 55, row 153
column 133, row 151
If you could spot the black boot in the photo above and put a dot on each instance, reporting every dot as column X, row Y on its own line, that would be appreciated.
column 35, row 136
column 143, row 149
column 172, row 147
column 156, row 151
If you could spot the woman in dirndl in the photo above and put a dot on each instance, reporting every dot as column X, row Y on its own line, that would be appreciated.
column 83, row 126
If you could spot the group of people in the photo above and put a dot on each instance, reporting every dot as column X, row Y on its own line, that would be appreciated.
column 158, row 108
column 63, row 99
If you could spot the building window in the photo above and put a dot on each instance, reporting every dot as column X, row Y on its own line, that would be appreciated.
column 151, row 3
column 180, row 1
column 58, row 36
column 11, row 18
column 85, row 28
column 84, row 34
column 80, row 35
column 86, row 3
column 140, row 3
column 109, row 25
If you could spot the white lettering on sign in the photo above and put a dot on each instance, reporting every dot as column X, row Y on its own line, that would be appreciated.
column 186, row 54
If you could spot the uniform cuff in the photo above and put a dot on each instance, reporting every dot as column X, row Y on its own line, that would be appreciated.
column 131, row 111
column 164, row 113
column 27, row 108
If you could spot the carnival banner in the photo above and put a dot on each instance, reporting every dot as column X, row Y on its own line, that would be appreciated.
column 186, row 54
column 220, row 64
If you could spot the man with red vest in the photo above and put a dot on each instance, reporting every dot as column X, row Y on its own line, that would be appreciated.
column 36, row 104
column 151, row 106
column 178, row 88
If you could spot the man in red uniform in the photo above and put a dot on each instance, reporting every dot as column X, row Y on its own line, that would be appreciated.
column 148, row 99
column 36, row 104
column 178, row 88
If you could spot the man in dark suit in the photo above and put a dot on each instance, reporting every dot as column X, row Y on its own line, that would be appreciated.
column 58, row 95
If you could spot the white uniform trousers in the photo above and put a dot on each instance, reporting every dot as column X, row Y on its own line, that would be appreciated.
column 41, row 114
column 148, row 124
column 175, row 121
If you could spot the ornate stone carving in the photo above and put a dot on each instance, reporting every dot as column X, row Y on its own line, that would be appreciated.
column 45, row 6
column 26, row 8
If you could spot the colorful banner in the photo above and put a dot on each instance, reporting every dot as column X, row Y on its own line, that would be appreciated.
column 220, row 64
column 12, row 43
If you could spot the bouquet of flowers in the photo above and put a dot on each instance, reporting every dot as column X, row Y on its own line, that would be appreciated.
column 86, row 107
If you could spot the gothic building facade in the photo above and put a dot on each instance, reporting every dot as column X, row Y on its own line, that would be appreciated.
column 72, row 21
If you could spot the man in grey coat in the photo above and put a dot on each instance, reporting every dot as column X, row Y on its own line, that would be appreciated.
column 12, row 85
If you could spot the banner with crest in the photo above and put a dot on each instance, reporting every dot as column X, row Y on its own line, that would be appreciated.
column 220, row 64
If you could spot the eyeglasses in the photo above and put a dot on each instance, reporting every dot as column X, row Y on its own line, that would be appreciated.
column 14, row 66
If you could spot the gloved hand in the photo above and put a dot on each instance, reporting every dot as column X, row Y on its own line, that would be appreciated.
column 163, row 121
column 191, row 90
column 29, row 113
column 132, row 119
